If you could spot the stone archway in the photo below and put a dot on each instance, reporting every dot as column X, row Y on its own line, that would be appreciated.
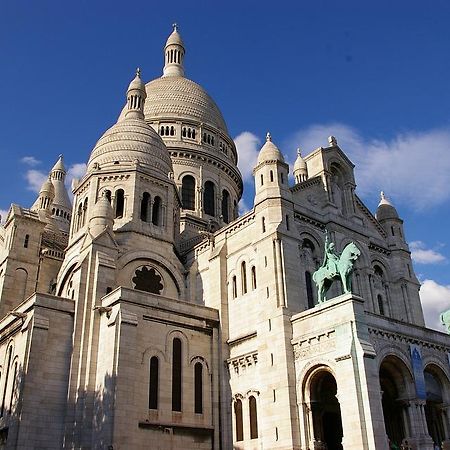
column 325, row 411
column 434, row 408
column 394, row 382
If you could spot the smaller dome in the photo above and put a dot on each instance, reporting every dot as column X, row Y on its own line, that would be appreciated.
column 103, row 209
column 385, row 210
column 128, row 141
column 269, row 151
column 59, row 165
column 137, row 83
column 47, row 187
column 300, row 164
column 175, row 37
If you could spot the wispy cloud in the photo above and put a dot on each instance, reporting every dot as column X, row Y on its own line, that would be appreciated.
column 75, row 171
column 243, row 207
column 396, row 165
column 248, row 146
column 30, row 161
column 35, row 179
column 3, row 214
column 435, row 299
column 423, row 255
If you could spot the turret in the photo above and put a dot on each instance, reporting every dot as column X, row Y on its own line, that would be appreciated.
column 300, row 169
column 388, row 216
column 61, row 205
column 271, row 172
column 136, row 96
column 174, row 54
column 102, row 216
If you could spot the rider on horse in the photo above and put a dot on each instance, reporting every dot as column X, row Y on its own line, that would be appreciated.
column 330, row 259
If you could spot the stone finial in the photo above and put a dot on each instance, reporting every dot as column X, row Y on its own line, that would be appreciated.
column 332, row 140
column 175, row 26
column 268, row 137
column 138, row 72
column 382, row 196
column 299, row 151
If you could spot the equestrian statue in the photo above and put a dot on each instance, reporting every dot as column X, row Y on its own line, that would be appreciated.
column 335, row 266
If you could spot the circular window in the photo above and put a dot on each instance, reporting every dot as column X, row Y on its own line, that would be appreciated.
column 148, row 279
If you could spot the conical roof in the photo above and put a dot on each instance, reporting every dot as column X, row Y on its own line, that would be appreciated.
column 385, row 210
column 269, row 151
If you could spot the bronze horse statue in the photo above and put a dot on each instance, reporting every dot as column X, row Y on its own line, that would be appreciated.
column 342, row 268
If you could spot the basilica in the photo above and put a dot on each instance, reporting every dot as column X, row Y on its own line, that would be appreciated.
column 149, row 314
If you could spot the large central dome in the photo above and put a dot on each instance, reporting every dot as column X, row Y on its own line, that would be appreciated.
column 179, row 97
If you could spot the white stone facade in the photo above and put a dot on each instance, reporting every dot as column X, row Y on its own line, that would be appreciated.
column 149, row 315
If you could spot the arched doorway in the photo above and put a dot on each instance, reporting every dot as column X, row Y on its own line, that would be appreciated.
column 434, row 380
column 325, row 410
column 394, row 382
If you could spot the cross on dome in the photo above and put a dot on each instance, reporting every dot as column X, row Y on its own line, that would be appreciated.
column 175, row 26
column 268, row 137
column 299, row 151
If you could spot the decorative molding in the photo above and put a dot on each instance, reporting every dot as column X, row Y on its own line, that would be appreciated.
column 243, row 362
column 314, row 345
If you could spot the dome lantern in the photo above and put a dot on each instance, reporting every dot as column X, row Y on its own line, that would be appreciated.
column 174, row 54
column 300, row 168
column 136, row 96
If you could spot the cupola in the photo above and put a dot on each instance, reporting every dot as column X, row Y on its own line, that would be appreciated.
column 174, row 54
column 136, row 96
column 269, row 151
column 385, row 210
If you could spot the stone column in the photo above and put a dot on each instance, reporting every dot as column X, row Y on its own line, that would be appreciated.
column 445, row 410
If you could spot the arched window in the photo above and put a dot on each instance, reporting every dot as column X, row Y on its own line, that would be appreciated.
column 380, row 304
column 263, row 223
column 189, row 135
column 225, row 206
column 309, row 289
column 234, row 287
column 108, row 195
column 13, row 386
column 183, row 132
column 120, row 203
column 253, row 417
column 176, row 375
column 25, row 242
column 208, row 198
column 167, row 130
column 85, row 207
column 188, row 192
column 6, row 381
column 172, row 131
column 198, row 388
column 262, row 179
column 238, row 420
column 145, row 206
column 193, row 134
column 253, row 277
column 161, row 131
column 244, row 277
column 154, row 380
column 271, row 175
column 156, row 211
column 79, row 215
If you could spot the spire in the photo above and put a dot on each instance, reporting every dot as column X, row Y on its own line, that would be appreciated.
column 45, row 197
column 174, row 54
column 136, row 96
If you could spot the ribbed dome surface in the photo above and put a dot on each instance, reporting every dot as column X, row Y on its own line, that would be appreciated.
column 180, row 98
column 130, row 140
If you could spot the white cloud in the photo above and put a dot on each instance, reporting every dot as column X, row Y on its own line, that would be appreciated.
column 422, row 255
column 3, row 215
column 75, row 171
column 435, row 299
column 411, row 167
column 35, row 179
column 248, row 146
column 243, row 207
column 30, row 161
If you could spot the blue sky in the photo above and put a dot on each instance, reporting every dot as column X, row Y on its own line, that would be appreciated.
column 375, row 75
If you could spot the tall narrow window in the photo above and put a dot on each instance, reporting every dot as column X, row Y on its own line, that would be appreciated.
column 253, row 418
column 25, row 242
column 144, row 206
column 271, row 175
column 208, row 198
column 85, row 207
column 13, row 387
column 108, row 195
column 263, row 223
column 309, row 289
column 156, row 211
column 188, row 192
column 6, row 381
column 225, row 206
column 176, row 375
column 262, row 179
column 154, row 380
column 238, row 420
column 380, row 304
column 120, row 203
column 244, row 278
column 198, row 388
column 253, row 277
column 234, row 287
